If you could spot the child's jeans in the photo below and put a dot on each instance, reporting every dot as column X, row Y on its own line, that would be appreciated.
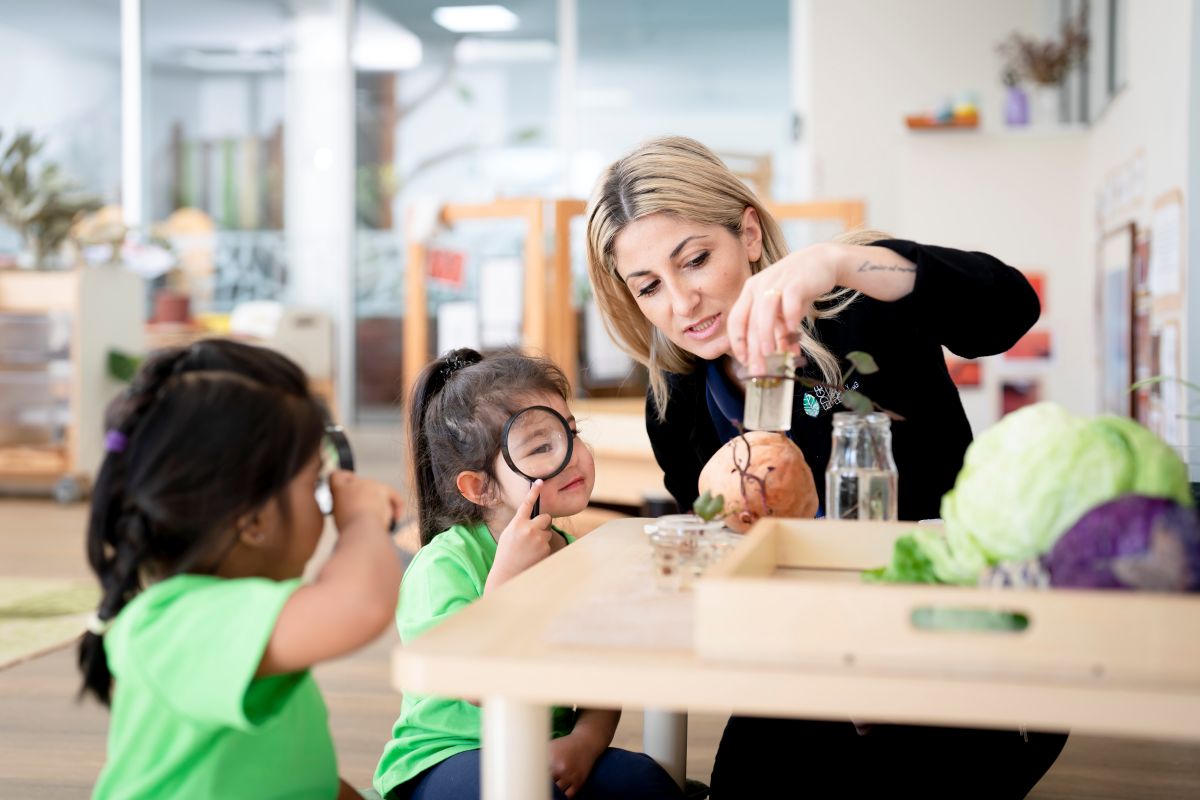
column 617, row 775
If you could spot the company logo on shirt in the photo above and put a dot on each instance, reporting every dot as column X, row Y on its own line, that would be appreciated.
column 828, row 398
column 811, row 406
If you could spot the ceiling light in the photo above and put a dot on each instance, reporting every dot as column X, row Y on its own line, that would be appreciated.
column 475, row 19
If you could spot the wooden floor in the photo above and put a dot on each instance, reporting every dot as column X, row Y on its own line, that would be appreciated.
column 53, row 747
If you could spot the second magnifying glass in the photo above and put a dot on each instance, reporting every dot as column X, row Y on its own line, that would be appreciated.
column 336, row 452
column 537, row 443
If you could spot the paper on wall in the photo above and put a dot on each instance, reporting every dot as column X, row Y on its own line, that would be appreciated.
column 1166, row 256
column 500, row 290
column 605, row 361
column 457, row 326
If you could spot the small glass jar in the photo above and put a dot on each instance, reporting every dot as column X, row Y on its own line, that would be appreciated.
column 769, row 396
column 682, row 547
column 861, row 479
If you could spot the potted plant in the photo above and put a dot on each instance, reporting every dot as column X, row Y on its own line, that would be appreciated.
column 1046, row 63
column 40, row 205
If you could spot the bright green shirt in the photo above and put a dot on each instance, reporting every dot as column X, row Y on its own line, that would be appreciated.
column 444, row 577
column 189, row 719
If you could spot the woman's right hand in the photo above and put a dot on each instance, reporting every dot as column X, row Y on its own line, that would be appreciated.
column 357, row 499
column 523, row 543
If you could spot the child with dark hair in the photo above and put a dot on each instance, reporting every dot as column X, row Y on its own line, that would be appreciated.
column 476, row 533
column 203, row 517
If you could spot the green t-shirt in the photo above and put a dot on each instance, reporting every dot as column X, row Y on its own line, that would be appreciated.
column 189, row 719
column 444, row 577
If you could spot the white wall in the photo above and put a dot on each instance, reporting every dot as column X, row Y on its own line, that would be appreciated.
column 875, row 61
column 1018, row 197
column 69, row 98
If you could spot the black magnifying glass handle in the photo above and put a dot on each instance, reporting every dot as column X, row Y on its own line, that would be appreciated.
column 336, row 435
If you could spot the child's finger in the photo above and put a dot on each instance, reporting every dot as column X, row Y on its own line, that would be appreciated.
column 540, row 523
column 526, row 507
column 339, row 478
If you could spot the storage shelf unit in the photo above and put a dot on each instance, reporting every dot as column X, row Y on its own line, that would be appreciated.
column 56, row 330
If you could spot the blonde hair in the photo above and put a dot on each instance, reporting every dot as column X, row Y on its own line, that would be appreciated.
column 679, row 176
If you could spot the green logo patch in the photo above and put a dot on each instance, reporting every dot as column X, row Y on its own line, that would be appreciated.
column 811, row 406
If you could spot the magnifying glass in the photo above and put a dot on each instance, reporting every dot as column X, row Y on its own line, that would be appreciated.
column 537, row 444
column 335, row 452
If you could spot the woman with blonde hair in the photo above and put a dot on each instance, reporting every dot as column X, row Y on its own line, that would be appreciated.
column 694, row 280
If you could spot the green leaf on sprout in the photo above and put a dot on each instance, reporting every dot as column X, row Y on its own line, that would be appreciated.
column 863, row 362
column 708, row 507
column 857, row 402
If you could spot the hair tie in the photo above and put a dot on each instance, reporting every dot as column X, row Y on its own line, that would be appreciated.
column 98, row 626
column 115, row 441
column 452, row 364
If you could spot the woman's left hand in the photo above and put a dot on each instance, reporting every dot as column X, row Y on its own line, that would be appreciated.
column 769, row 311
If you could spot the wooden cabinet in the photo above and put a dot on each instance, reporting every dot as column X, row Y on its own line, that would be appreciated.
column 56, row 331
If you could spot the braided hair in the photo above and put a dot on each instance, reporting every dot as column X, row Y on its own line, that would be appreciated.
column 203, row 435
column 456, row 416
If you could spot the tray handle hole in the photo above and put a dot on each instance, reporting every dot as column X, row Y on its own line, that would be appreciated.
column 941, row 619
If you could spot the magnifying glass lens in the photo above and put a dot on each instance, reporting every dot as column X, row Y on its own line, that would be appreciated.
column 537, row 442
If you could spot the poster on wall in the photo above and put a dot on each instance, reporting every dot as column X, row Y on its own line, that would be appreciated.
column 1034, row 345
column 966, row 373
column 1114, row 315
column 1017, row 393
column 1169, row 362
column 1166, row 256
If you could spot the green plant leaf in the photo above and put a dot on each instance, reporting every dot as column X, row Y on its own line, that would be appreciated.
column 808, row 383
column 1163, row 379
column 863, row 362
column 857, row 402
column 708, row 507
column 123, row 366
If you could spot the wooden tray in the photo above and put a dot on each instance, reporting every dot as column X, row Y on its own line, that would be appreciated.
column 791, row 593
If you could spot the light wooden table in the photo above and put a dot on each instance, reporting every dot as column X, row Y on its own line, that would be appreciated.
column 584, row 626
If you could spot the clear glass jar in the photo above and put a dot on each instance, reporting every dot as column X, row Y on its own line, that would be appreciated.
column 682, row 546
column 769, row 396
column 861, row 479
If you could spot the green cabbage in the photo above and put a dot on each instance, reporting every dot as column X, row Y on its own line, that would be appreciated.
column 1026, row 480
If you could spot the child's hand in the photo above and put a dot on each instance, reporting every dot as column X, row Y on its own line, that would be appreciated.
column 571, row 760
column 523, row 543
column 357, row 500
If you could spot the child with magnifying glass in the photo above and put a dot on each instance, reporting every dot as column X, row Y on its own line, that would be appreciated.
column 495, row 459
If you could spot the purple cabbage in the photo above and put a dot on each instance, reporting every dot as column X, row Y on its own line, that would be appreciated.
column 1132, row 542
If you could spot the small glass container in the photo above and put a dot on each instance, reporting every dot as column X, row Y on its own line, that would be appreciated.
column 769, row 396
column 681, row 547
column 861, row 479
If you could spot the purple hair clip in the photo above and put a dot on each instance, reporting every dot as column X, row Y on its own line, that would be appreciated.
column 115, row 441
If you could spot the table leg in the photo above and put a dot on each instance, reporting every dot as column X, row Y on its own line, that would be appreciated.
column 664, row 738
column 515, row 759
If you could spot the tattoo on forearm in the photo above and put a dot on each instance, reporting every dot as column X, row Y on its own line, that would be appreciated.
column 867, row 266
